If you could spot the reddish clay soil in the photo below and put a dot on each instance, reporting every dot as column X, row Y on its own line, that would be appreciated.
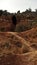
column 16, row 50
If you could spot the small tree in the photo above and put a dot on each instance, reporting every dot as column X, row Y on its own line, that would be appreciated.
column 29, row 9
column 5, row 13
column 36, row 10
column 1, row 12
column 18, row 12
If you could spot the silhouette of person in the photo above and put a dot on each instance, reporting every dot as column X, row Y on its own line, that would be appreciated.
column 14, row 20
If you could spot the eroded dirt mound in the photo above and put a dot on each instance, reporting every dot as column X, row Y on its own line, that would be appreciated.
column 15, row 50
column 12, row 43
column 31, row 36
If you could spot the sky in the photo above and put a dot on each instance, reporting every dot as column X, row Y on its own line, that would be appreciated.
column 15, row 5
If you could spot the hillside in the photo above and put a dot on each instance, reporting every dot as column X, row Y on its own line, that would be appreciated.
column 12, row 21
column 18, row 38
column 30, row 36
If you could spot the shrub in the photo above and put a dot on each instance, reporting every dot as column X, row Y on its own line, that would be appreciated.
column 21, row 28
column 34, row 23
